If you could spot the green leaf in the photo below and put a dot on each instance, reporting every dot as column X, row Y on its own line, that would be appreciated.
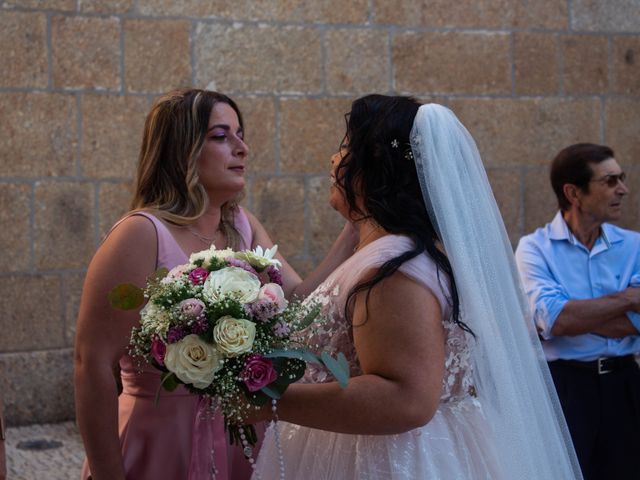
column 300, row 354
column 339, row 367
column 216, row 264
column 274, row 390
column 294, row 371
column 126, row 296
column 289, row 370
column 157, row 276
column 169, row 382
column 257, row 398
column 309, row 318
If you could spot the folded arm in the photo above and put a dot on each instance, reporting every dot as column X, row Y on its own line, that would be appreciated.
column 619, row 327
column 556, row 314
column 604, row 315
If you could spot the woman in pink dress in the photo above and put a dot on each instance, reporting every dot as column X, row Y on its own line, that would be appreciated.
column 190, row 178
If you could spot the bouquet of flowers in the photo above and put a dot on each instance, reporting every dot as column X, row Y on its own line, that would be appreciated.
column 221, row 326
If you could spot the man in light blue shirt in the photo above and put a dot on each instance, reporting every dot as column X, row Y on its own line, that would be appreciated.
column 581, row 276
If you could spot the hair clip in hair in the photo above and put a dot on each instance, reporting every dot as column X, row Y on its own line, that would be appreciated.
column 394, row 143
column 408, row 155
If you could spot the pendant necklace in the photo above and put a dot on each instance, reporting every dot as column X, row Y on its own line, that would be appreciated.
column 204, row 239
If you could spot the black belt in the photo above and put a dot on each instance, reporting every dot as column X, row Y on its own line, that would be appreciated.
column 602, row 365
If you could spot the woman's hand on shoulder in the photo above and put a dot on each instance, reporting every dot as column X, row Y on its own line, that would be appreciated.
column 260, row 237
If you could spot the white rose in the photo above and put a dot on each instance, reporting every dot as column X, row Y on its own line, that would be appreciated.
column 204, row 255
column 234, row 282
column 273, row 292
column 234, row 336
column 207, row 255
column 222, row 254
column 193, row 361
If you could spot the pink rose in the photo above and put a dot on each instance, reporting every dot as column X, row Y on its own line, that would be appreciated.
column 175, row 273
column 273, row 292
column 191, row 308
column 258, row 372
column 198, row 275
column 158, row 350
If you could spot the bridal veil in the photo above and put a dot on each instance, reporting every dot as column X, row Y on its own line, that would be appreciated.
column 510, row 372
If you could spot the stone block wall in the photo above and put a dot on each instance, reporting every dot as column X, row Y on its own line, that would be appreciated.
column 78, row 76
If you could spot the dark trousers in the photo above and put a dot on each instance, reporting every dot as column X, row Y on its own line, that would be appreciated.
column 603, row 414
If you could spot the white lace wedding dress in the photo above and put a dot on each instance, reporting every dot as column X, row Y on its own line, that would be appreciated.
column 456, row 444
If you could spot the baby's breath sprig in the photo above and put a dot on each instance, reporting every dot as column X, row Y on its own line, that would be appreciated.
column 225, row 306
column 167, row 296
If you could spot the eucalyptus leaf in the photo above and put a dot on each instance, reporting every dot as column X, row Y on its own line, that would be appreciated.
column 339, row 367
column 300, row 354
column 126, row 296
column 274, row 390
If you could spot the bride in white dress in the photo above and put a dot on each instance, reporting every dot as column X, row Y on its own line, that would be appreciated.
column 447, row 380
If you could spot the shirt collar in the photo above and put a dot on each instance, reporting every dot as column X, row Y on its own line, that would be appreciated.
column 611, row 234
column 559, row 230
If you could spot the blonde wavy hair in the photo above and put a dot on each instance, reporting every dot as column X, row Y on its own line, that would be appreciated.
column 167, row 182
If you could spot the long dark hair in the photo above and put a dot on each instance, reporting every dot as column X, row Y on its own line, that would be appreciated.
column 379, row 162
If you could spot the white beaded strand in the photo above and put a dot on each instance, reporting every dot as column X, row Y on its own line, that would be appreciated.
column 214, row 470
column 210, row 414
column 276, row 433
column 248, row 452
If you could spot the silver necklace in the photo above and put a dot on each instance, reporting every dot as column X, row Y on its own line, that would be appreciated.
column 204, row 239
column 366, row 237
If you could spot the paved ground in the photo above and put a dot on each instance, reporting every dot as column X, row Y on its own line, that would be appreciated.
column 44, row 452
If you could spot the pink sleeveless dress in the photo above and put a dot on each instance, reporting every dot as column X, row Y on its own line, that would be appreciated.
column 156, row 439
column 455, row 444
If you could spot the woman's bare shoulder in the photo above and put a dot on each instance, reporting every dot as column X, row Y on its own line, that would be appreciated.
column 132, row 243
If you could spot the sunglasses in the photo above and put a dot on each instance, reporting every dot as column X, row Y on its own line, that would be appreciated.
column 612, row 180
